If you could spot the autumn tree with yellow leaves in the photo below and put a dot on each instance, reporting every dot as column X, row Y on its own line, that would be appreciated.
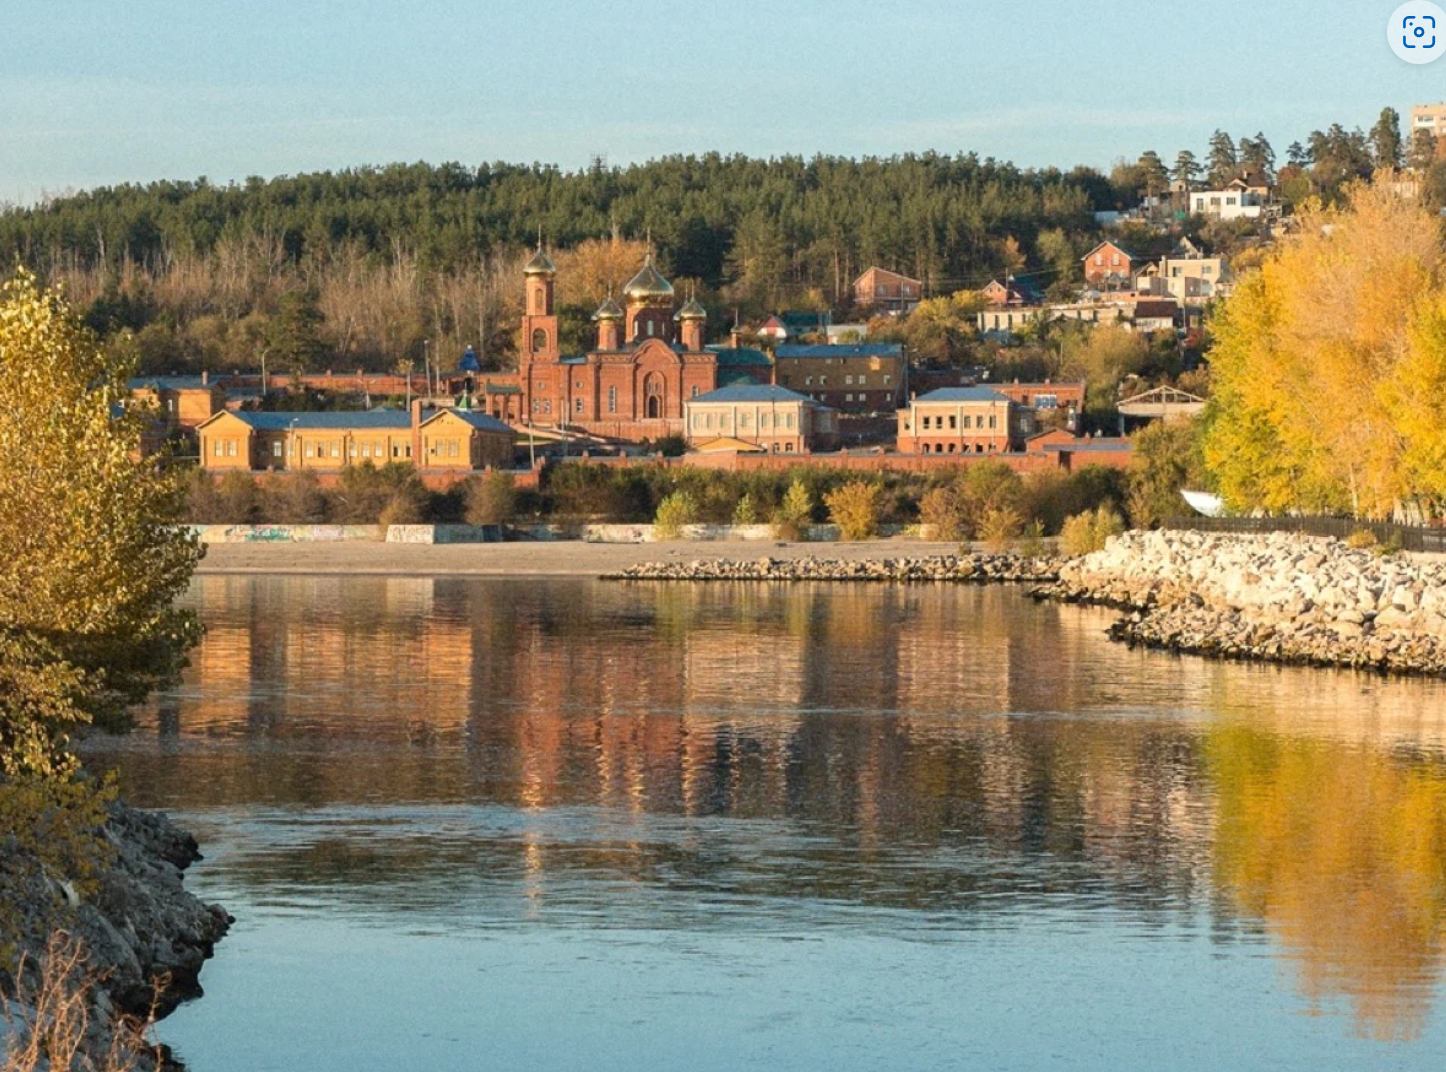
column 90, row 565
column 1329, row 365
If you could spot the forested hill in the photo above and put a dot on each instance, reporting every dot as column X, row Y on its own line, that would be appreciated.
column 949, row 220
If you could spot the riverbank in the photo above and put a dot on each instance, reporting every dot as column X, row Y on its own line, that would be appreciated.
column 1279, row 598
column 975, row 568
column 145, row 936
column 574, row 558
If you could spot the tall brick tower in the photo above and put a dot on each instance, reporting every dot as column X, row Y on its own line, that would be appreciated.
column 539, row 344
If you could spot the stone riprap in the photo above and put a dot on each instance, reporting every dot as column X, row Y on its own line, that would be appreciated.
column 958, row 569
column 140, row 927
column 1275, row 598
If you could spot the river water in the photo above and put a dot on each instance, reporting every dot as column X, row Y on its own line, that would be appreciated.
column 562, row 824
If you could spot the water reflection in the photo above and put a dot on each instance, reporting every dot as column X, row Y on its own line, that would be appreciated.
column 695, row 757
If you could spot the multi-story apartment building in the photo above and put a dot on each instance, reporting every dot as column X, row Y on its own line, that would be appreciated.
column 862, row 378
column 1428, row 117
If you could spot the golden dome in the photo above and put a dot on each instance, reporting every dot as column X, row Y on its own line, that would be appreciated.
column 649, row 287
column 692, row 310
column 608, row 310
column 541, row 264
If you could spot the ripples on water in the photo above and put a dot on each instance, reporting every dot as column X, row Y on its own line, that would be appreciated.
column 884, row 827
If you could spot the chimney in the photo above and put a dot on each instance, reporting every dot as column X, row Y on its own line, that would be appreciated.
column 417, row 458
column 205, row 378
column 735, row 337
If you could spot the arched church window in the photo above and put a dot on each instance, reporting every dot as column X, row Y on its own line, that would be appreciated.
column 539, row 340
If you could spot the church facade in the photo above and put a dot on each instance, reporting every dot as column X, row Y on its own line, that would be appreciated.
column 648, row 361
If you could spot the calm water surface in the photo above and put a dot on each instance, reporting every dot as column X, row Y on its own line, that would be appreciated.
column 568, row 825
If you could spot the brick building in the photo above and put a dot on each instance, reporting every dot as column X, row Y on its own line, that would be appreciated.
column 892, row 292
column 858, row 379
column 648, row 362
column 180, row 401
column 1109, row 266
column 963, row 420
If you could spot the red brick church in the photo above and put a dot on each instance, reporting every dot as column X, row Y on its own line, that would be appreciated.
column 648, row 361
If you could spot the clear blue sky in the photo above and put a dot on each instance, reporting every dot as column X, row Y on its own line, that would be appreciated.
column 104, row 91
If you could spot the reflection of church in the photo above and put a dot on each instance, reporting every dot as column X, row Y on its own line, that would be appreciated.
column 648, row 360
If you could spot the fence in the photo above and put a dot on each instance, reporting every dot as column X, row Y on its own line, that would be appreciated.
column 1406, row 537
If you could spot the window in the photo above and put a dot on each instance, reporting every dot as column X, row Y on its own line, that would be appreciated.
column 231, row 448
column 808, row 381
column 650, row 329
column 992, row 421
column 708, row 420
column 308, row 450
column 823, row 381
column 366, row 450
column 612, row 399
column 219, row 449
column 351, row 450
column 336, row 450
column 954, row 421
column 744, row 420
column 577, row 405
column 849, row 380
column 848, row 398
column 539, row 301
column 276, row 448
column 788, row 420
column 695, row 392
column 887, row 379
column 539, row 341
column 924, row 423
column 396, row 450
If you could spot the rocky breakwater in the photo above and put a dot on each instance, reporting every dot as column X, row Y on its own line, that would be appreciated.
column 1275, row 598
column 958, row 569
column 144, row 935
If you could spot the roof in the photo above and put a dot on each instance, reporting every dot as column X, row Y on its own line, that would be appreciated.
column 501, row 389
column 1112, row 245
column 1155, row 309
column 886, row 271
column 477, row 419
column 167, row 383
column 281, row 420
column 1080, row 445
column 798, row 321
column 963, row 394
column 735, row 356
column 873, row 349
column 469, row 362
column 753, row 392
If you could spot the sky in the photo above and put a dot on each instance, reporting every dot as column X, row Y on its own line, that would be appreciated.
column 97, row 92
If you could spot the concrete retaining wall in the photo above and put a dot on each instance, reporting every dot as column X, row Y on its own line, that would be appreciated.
column 445, row 534
column 286, row 533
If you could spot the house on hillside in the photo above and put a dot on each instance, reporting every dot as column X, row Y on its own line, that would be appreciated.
column 1245, row 197
column 782, row 327
column 890, row 292
column 183, row 402
column 1109, row 266
column 1012, row 290
column 1188, row 275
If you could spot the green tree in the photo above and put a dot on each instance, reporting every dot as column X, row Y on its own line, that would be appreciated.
column 1222, row 163
column 1386, row 139
column 295, row 339
column 1187, row 169
column 1166, row 459
column 1154, row 176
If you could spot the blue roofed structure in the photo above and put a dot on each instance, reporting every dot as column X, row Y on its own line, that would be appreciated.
column 963, row 394
column 752, row 392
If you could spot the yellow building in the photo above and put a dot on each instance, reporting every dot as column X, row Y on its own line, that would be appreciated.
column 180, row 401
column 760, row 415
column 427, row 439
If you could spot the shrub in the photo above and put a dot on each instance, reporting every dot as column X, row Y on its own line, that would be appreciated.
column 1361, row 540
column 854, row 508
column 366, row 495
column 235, row 500
column 945, row 512
column 746, row 512
column 490, row 499
column 675, row 511
column 791, row 519
column 1032, row 540
column 294, row 499
column 1090, row 531
column 998, row 525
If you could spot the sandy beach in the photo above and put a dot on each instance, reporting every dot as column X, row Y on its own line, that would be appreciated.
column 563, row 558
